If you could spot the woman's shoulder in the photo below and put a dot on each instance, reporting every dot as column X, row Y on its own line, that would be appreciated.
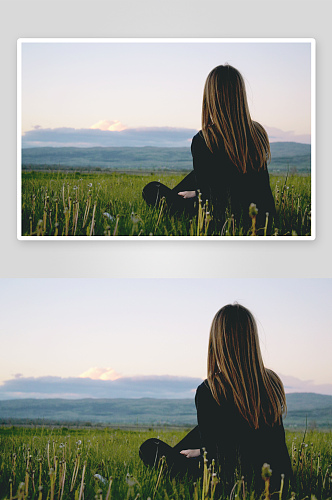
column 204, row 386
column 204, row 393
column 203, row 390
column 198, row 141
column 199, row 147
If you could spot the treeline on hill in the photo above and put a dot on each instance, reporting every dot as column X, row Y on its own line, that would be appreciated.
column 289, row 157
column 313, row 410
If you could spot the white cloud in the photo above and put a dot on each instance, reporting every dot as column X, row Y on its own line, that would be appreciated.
column 113, row 126
column 100, row 374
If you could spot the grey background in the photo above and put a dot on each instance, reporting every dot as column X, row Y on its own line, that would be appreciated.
column 160, row 18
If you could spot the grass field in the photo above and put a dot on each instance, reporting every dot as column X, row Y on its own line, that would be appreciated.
column 46, row 463
column 111, row 204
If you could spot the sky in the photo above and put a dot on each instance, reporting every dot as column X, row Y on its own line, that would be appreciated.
column 117, row 93
column 78, row 338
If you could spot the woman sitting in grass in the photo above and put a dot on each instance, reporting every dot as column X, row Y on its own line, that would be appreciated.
column 230, row 157
column 239, row 411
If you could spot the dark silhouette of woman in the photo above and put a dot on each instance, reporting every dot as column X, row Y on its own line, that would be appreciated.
column 239, row 410
column 230, row 156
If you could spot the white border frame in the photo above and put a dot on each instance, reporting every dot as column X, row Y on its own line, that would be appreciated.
column 312, row 41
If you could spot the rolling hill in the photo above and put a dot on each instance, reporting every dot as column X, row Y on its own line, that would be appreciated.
column 315, row 408
column 285, row 155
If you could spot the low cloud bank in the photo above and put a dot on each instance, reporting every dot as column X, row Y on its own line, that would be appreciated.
column 112, row 135
column 278, row 135
column 293, row 384
column 129, row 137
column 124, row 387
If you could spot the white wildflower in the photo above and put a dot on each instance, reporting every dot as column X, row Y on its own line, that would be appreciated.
column 109, row 216
column 101, row 478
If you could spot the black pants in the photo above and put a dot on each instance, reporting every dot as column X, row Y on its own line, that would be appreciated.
column 154, row 449
column 155, row 191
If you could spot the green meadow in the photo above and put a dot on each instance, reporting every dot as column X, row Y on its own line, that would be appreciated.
column 111, row 204
column 46, row 464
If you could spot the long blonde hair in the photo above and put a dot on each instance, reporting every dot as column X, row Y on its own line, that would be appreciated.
column 226, row 119
column 236, row 369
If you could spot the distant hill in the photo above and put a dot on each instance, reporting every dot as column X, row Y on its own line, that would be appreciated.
column 143, row 410
column 292, row 155
column 316, row 408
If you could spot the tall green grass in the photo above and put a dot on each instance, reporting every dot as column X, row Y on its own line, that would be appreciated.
column 46, row 463
column 111, row 204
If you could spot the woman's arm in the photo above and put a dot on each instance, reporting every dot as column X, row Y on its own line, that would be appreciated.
column 208, row 421
column 202, row 159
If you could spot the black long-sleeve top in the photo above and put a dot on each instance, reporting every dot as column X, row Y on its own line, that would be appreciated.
column 221, row 183
column 228, row 438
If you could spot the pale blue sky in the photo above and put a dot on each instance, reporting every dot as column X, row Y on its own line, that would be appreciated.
column 77, row 85
column 139, row 327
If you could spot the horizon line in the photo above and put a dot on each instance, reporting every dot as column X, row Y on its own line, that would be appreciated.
column 143, row 397
column 151, row 147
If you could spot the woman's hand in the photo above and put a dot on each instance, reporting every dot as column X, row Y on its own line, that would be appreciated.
column 191, row 453
column 187, row 194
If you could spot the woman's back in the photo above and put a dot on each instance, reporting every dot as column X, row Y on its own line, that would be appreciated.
column 224, row 186
column 232, row 441
column 239, row 410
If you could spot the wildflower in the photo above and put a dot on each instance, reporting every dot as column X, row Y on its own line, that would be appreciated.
column 79, row 442
column 266, row 471
column 130, row 480
column 90, row 185
column 253, row 210
column 101, row 478
column 134, row 218
column 109, row 216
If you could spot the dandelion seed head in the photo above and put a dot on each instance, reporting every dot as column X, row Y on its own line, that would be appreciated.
column 266, row 471
column 253, row 210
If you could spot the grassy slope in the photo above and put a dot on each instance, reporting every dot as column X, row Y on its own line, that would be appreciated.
column 55, row 457
column 72, row 203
